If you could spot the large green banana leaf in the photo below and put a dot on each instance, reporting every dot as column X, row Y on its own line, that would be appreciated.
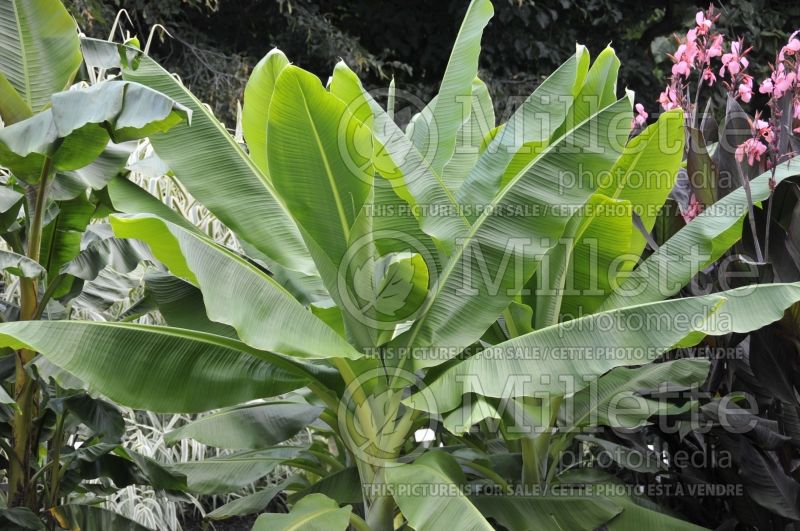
column 248, row 427
column 428, row 494
column 600, row 404
column 320, row 162
column 39, row 55
column 539, row 116
column 539, row 362
column 500, row 251
column 255, row 112
column 210, row 164
column 397, row 159
column 445, row 116
column 134, row 364
column 272, row 320
column 609, row 244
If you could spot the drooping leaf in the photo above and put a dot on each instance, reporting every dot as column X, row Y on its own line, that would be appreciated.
column 251, row 503
column 216, row 171
column 344, row 486
column 22, row 517
column 250, row 427
column 232, row 472
column 20, row 265
column 583, row 348
column 273, row 321
column 550, row 513
column 615, row 400
column 103, row 250
column 133, row 364
column 181, row 304
column 91, row 517
column 78, row 126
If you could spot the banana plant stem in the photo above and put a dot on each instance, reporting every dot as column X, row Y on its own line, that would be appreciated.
column 535, row 451
column 19, row 488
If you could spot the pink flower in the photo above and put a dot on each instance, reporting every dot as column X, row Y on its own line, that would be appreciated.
column 796, row 109
column 640, row 120
column 709, row 77
column 715, row 50
column 686, row 52
column 668, row 99
column 703, row 24
column 681, row 69
column 766, row 86
column 765, row 130
column 791, row 48
column 782, row 82
column 752, row 148
column 745, row 92
column 735, row 61
column 693, row 210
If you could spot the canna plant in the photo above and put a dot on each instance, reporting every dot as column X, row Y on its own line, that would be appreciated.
column 417, row 281
column 758, row 366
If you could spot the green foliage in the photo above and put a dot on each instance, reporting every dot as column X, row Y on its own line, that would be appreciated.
column 398, row 282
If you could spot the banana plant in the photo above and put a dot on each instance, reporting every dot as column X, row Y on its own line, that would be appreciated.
column 60, row 143
column 409, row 282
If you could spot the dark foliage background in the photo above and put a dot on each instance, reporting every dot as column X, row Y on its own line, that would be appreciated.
column 215, row 43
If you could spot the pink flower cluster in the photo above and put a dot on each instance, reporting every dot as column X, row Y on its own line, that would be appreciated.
column 785, row 79
column 753, row 148
column 695, row 51
column 734, row 66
